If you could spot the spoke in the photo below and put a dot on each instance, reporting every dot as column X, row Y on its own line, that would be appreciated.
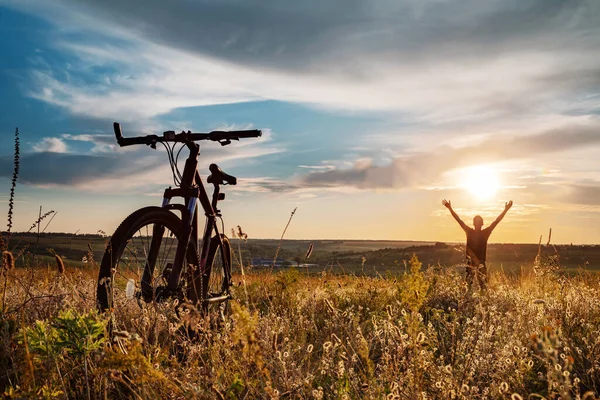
column 143, row 245
column 137, row 250
column 135, row 256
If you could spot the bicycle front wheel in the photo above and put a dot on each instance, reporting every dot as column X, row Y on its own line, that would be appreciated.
column 138, row 261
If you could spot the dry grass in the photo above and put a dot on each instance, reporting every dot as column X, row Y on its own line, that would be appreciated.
column 293, row 336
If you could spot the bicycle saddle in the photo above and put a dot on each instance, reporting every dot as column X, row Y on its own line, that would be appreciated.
column 218, row 177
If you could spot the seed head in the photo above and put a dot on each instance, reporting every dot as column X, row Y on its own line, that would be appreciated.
column 60, row 265
column 9, row 260
column 309, row 251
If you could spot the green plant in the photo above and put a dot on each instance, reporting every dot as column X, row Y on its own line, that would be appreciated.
column 69, row 336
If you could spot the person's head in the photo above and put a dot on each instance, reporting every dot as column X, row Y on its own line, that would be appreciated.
column 478, row 222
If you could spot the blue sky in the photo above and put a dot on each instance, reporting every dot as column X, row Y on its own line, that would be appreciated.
column 372, row 111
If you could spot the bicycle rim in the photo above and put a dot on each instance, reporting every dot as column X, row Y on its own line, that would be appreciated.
column 131, row 296
column 217, row 277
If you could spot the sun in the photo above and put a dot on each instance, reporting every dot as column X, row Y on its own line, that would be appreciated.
column 481, row 181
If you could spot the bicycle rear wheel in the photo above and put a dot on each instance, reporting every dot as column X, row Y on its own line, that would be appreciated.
column 217, row 279
column 137, row 261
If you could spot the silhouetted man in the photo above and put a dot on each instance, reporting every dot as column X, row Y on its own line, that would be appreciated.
column 477, row 244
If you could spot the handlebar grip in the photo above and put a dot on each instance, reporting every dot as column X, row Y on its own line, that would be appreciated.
column 251, row 133
column 118, row 132
column 123, row 141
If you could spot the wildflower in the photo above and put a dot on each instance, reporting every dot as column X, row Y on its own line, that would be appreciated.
column 341, row 368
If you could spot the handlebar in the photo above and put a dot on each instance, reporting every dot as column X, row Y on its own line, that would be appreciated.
column 223, row 137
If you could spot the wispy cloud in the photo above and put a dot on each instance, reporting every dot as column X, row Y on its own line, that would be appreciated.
column 52, row 145
column 416, row 169
column 101, row 143
column 106, row 166
column 53, row 168
column 438, row 61
column 584, row 194
column 479, row 79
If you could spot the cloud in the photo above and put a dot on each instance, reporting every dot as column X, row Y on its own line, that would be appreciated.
column 442, row 72
column 416, row 169
column 101, row 143
column 435, row 60
column 266, row 185
column 106, row 166
column 52, row 145
column 56, row 169
column 313, row 35
column 584, row 194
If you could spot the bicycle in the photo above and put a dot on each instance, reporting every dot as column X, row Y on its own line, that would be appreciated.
column 152, row 261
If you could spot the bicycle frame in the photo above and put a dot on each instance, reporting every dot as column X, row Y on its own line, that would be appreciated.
column 192, row 190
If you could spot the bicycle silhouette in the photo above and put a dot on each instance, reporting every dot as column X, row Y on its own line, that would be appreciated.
column 152, row 259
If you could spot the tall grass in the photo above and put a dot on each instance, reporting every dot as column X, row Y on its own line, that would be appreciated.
column 11, row 200
column 324, row 336
column 15, row 176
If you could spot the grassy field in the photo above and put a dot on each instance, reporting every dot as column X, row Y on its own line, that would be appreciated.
column 291, row 335
column 338, row 256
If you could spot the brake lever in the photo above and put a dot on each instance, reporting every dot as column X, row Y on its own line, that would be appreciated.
column 224, row 142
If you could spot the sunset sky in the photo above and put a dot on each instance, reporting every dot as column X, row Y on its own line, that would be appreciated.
column 372, row 112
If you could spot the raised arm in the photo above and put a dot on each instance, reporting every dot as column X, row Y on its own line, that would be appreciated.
column 507, row 207
column 447, row 204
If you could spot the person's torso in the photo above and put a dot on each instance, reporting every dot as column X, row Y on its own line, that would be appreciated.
column 477, row 242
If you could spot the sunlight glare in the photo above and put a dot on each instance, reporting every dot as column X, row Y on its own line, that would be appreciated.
column 481, row 181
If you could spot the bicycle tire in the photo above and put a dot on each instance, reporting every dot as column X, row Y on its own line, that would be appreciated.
column 217, row 276
column 108, row 284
